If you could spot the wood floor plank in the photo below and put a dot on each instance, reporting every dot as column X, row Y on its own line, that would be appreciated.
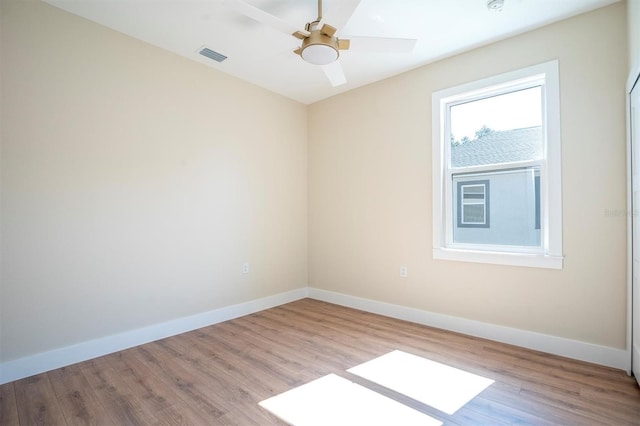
column 548, row 413
column 626, row 398
column 37, row 402
column 113, row 393
column 78, row 401
column 490, row 411
column 197, row 392
column 602, row 412
column 223, row 361
column 224, row 400
column 218, row 374
column 8, row 407
column 161, row 396
column 563, row 369
column 386, row 334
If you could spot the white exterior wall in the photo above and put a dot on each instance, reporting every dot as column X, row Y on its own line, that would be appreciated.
column 511, row 211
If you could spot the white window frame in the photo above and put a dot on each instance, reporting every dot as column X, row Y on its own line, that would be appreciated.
column 461, row 203
column 549, row 254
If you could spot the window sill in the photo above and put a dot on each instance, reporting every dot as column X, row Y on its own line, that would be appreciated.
column 498, row 258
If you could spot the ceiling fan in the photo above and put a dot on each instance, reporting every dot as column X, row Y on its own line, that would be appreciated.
column 320, row 43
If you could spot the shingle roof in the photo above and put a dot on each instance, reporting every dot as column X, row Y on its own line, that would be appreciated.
column 499, row 147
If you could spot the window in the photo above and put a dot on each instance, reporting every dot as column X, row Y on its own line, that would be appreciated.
column 496, row 170
column 473, row 204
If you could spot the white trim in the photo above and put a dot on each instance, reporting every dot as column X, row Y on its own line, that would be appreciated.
column 521, row 258
column 553, row 210
column 61, row 357
column 632, row 80
column 634, row 76
column 46, row 361
column 629, row 335
column 603, row 355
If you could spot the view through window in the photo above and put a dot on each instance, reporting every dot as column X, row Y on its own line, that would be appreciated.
column 496, row 142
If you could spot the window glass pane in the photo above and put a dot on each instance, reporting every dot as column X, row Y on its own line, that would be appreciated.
column 499, row 129
column 473, row 213
column 473, row 191
column 508, row 212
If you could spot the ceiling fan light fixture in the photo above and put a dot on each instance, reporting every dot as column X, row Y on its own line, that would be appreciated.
column 319, row 48
column 319, row 54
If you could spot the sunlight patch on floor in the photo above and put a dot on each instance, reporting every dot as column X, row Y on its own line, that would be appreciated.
column 333, row 400
column 437, row 385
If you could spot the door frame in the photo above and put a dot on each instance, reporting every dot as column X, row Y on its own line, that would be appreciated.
column 633, row 82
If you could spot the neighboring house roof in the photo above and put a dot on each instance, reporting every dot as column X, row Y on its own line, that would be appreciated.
column 499, row 147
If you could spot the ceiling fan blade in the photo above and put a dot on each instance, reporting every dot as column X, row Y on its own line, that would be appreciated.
column 334, row 73
column 263, row 17
column 340, row 12
column 382, row 44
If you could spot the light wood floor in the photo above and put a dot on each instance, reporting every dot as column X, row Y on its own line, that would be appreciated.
column 218, row 374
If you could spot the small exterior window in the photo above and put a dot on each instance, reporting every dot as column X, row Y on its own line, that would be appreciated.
column 473, row 204
column 496, row 170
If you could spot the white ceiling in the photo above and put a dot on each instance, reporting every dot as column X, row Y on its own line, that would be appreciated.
column 263, row 56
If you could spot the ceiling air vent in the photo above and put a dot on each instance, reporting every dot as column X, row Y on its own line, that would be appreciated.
column 212, row 54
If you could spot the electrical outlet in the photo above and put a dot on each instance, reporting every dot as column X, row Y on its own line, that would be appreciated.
column 245, row 268
column 404, row 272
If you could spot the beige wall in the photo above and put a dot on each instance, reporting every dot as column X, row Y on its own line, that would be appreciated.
column 370, row 190
column 135, row 183
column 633, row 11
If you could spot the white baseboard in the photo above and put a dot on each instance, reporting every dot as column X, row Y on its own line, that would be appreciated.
column 603, row 355
column 46, row 361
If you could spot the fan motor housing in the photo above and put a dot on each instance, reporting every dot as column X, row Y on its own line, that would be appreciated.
column 319, row 48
